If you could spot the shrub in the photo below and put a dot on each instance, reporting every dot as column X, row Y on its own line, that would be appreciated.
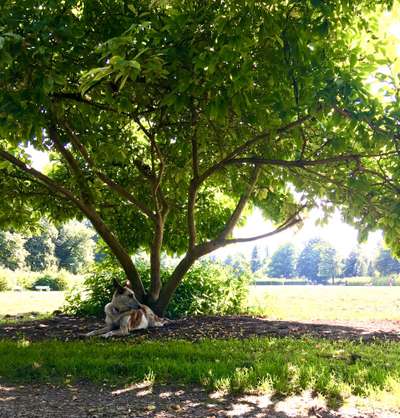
column 54, row 281
column 6, row 279
column 3, row 283
column 207, row 289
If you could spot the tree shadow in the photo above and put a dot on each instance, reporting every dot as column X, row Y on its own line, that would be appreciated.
column 145, row 400
column 195, row 328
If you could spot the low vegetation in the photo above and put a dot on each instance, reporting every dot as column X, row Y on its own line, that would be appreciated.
column 207, row 289
column 336, row 370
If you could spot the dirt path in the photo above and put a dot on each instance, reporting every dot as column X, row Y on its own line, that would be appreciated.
column 68, row 328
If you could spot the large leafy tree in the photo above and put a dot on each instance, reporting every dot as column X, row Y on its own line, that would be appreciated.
column 386, row 264
column 12, row 251
column 283, row 262
column 166, row 121
column 74, row 247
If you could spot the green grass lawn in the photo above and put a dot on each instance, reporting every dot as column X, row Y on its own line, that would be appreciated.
column 14, row 303
column 336, row 370
column 326, row 302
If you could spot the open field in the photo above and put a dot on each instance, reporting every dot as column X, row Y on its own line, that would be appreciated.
column 14, row 303
column 278, row 302
column 326, row 302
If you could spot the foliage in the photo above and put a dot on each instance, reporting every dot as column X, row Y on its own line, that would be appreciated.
column 284, row 366
column 309, row 259
column 329, row 264
column 3, row 282
column 41, row 248
column 207, row 289
column 386, row 264
column 255, row 262
column 282, row 262
column 12, row 251
column 54, row 281
column 354, row 265
column 74, row 247
column 166, row 122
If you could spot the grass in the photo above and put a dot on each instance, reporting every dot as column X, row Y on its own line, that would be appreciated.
column 15, row 303
column 336, row 370
column 326, row 302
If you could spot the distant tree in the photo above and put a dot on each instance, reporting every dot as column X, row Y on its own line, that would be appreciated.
column 255, row 262
column 283, row 262
column 328, row 264
column 41, row 248
column 355, row 265
column 74, row 246
column 386, row 264
column 309, row 259
column 239, row 263
column 12, row 251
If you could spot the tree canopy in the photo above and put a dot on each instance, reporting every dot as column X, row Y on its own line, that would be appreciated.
column 167, row 121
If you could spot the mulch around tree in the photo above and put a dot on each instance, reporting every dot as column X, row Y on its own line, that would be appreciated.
column 65, row 328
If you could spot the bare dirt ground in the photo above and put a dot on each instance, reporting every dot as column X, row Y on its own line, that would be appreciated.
column 66, row 328
column 86, row 400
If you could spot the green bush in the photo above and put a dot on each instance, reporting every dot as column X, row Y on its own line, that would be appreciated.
column 386, row 280
column 3, row 283
column 54, row 281
column 207, row 289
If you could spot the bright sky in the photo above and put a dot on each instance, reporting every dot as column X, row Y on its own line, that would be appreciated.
column 339, row 234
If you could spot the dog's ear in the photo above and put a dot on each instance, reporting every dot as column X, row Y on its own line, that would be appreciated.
column 117, row 285
column 128, row 284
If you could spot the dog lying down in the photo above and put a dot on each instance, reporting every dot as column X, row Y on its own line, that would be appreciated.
column 125, row 313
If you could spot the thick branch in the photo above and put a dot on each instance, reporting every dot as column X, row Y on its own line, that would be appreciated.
column 244, row 147
column 234, row 218
column 120, row 253
column 104, row 178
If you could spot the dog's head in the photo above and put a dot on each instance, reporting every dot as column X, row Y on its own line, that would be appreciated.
column 124, row 297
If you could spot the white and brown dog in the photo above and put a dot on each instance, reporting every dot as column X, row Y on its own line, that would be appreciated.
column 125, row 313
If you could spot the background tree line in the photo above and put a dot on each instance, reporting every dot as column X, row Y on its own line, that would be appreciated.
column 318, row 261
column 70, row 247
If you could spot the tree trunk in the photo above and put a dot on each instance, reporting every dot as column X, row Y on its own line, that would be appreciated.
column 169, row 288
column 155, row 263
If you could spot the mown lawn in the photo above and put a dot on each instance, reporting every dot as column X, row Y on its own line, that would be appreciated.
column 336, row 370
column 14, row 303
column 356, row 303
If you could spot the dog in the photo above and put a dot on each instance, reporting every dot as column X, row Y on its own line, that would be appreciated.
column 125, row 313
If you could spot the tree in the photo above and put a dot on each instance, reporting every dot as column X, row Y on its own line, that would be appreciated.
column 309, row 259
column 255, row 262
column 75, row 247
column 41, row 248
column 354, row 265
column 386, row 264
column 12, row 251
column 283, row 262
column 166, row 121
column 328, row 264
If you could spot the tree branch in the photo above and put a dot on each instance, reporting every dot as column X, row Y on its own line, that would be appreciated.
column 113, row 185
